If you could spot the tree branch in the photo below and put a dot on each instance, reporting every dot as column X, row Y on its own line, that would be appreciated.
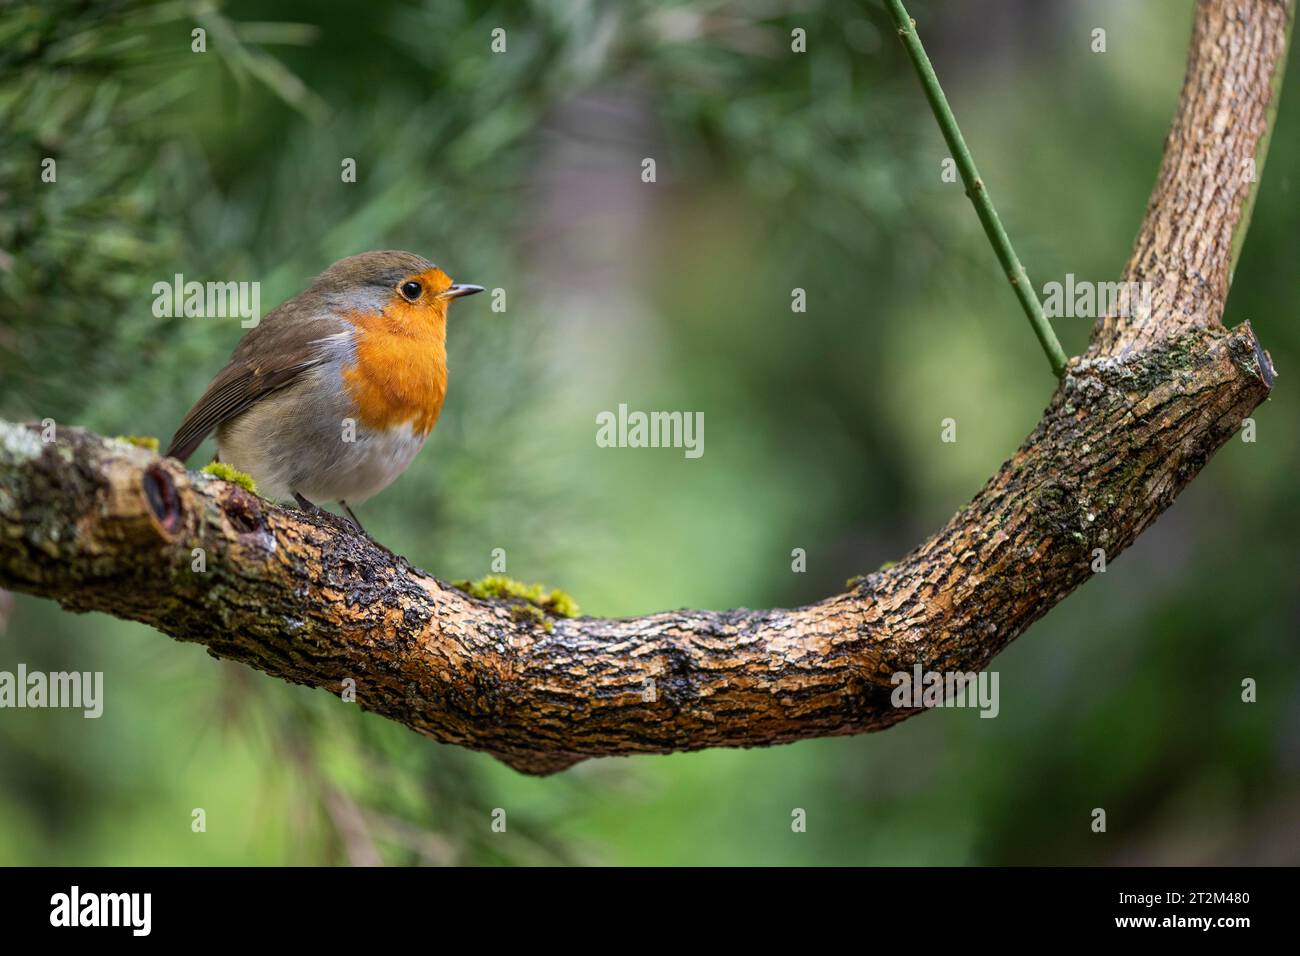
column 103, row 525
column 1213, row 154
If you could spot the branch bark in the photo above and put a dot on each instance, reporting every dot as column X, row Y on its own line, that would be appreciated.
column 102, row 525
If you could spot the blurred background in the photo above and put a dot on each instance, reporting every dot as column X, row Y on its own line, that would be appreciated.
column 776, row 170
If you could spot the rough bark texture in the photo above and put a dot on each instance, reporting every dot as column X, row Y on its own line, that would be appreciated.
column 102, row 525
column 1184, row 248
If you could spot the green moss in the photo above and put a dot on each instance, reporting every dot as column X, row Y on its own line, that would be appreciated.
column 223, row 471
column 148, row 442
column 528, row 602
column 860, row 579
column 563, row 604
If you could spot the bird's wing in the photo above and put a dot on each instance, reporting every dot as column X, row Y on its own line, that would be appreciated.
column 268, row 358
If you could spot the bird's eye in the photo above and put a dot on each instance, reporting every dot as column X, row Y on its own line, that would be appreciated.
column 411, row 290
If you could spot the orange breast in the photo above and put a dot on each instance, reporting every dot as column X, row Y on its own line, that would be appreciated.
column 400, row 374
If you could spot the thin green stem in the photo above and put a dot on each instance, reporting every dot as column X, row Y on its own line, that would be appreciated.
column 976, row 190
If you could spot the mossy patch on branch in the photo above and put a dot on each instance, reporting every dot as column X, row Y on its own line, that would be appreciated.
column 218, row 469
column 859, row 579
column 147, row 442
column 527, row 602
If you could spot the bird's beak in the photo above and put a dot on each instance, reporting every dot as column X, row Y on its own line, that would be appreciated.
column 461, row 288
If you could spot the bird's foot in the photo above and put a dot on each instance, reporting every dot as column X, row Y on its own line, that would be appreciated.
column 306, row 505
column 351, row 522
column 356, row 522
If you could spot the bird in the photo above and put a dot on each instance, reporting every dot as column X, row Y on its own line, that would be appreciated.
column 332, row 394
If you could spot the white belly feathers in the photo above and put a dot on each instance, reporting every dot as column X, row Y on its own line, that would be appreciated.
column 291, row 443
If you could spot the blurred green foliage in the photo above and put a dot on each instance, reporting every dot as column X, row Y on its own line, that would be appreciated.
column 521, row 171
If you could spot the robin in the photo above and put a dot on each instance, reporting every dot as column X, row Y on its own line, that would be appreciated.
column 331, row 395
